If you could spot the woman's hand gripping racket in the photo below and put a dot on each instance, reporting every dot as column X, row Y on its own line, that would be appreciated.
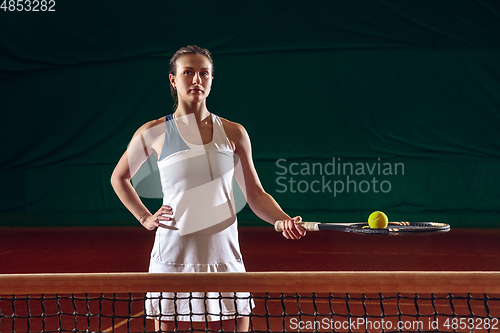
column 394, row 228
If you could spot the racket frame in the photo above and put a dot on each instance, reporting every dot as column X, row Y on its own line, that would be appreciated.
column 394, row 228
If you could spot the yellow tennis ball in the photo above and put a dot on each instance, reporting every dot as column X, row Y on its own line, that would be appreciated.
column 378, row 220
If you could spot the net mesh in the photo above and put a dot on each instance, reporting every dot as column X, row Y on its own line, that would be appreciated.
column 274, row 311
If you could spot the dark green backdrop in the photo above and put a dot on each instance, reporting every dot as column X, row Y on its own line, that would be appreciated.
column 410, row 89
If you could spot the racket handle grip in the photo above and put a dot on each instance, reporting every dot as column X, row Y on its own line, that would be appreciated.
column 309, row 226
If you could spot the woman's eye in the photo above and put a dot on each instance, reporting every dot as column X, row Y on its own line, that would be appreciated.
column 187, row 72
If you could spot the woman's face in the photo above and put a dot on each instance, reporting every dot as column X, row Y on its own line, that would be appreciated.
column 193, row 78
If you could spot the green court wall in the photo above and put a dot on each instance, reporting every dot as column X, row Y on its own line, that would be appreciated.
column 351, row 106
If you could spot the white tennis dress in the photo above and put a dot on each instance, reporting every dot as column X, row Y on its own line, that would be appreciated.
column 203, row 236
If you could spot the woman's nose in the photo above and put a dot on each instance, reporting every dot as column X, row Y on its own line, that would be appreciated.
column 197, row 78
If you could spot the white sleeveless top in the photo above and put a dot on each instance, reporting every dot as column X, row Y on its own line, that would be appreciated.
column 197, row 183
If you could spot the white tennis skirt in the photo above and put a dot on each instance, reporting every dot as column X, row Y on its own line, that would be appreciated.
column 197, row 306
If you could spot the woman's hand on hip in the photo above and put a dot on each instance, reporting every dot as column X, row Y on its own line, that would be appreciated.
column 154, row 221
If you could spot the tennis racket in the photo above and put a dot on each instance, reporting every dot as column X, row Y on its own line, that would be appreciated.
column 394, row 228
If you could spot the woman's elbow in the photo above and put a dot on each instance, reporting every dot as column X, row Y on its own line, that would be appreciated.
column 118, row 179
column 254, row 197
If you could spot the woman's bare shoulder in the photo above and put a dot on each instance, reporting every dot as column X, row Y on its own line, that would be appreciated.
column 233, row 129
column 238, row 135
column 151, row 128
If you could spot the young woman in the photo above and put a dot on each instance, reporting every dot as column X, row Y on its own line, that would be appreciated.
column 198, row 155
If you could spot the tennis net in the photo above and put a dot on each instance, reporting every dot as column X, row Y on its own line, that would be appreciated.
column 284, row 301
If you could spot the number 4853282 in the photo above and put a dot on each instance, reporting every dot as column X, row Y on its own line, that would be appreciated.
column 471, row 323
column 28, row 5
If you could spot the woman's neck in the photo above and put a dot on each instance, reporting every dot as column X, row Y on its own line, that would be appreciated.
column 199, row 111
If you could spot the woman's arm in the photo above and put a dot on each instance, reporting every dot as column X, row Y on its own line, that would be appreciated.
column 261, row 202
column 138, row 151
